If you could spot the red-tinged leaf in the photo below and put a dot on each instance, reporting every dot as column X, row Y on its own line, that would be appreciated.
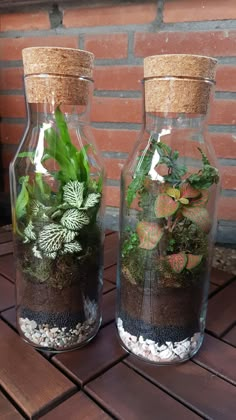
column 187, row 191
column 177, row 261
column 165, row 206
column 193, row 261
column 149, row 234
column 198, row 215
column 202, row 200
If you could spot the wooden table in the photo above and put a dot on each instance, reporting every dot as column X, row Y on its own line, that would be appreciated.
column 101, row 381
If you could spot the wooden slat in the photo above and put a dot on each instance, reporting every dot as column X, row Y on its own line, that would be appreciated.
column 28, row 377
column 108, row 307
column 127, row 395
column 6, row 248
column 5, row 237
column 89, row 361
column 212, row 289
column 221, row 310
column 230, row 337
column 219, row 277
column 110, row 250
column 10, row 316
column 218, row 357
column 7, row 266
column 110, row 274
column 209, row 395
column 78, row 407
column 107, row 286
column 7, row 294
column 7, row 410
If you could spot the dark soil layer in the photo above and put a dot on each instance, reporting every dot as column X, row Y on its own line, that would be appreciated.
column 59, row 320
column 61, row 296
column 159, row 334
column 162, row 306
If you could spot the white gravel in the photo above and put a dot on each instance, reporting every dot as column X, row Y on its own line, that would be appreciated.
column 148, row 349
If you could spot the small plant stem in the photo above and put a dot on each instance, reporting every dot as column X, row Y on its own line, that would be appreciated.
column 175, row 222
column 169, row 224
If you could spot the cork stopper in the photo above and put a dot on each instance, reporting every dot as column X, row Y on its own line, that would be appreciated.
column 178, row 83
column 58, row 75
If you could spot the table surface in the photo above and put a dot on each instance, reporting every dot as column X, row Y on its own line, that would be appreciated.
column 101, row 381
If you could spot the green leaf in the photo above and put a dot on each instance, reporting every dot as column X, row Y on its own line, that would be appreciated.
column 22, row 199
column 193, row 261
column 149, row 234
column 29, row 155
column 74, row 219
column 177, row 261
column 199, row 216
column 206, row 176
column 165, row 206
column 73, row 193
column 187, row 191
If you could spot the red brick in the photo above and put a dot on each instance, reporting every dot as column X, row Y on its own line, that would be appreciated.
column 113, row 45
column 195, row 10
column 112, row 196
column 226, row 208
column 12, row 106
column 11, row 78
column 226, row 78
column 111, row 15
column 223, row 111
column 11, row 133
column 10, row 48
column 214, row 43
column 115, row 140
column 24, row 21
column 118, row 77
column 228, row 180
column 117, row 110
column 114, row 167
column 224, row 145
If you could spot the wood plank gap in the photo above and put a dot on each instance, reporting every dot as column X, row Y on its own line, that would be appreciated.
column 209, row 369
column 121, row 359
column 227, row 330
column 166, row 390
column 103, row 407
column 54, row 404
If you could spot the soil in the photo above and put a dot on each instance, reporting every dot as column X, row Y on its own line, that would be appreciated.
column 162, row 306
column 59, row 299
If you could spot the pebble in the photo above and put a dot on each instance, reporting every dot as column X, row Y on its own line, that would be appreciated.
column 59, row 338
column 152, row 351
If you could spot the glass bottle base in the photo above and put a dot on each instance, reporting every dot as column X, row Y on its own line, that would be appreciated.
column 55, row 339
column 150, row 351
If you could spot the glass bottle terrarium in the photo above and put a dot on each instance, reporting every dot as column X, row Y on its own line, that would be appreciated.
column 169, row 189
column 57, row 203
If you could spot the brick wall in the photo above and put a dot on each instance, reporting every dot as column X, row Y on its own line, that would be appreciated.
column 120, row 34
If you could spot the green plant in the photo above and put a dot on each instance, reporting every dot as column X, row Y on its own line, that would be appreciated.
column 52, row 222
column 171, row 214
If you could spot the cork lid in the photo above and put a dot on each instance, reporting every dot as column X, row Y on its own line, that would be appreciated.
column 178, row 83
column 180, row 65
column 56, row 60
column 57, row 75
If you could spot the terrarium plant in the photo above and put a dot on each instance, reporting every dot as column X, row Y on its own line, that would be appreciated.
column 58, row 241
column 56, row 181
column 172, row 214
column 168, row 214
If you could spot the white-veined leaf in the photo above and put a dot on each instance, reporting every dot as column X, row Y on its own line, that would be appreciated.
column 36, row 252
column 51, row 237
column 51, row 255
column 29, row 232
column 91, row 200
column 71, row 248
column 74, row 219
column 73, row 193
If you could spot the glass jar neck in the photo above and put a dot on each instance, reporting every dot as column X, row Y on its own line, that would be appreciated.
column 157, row 122
column 45, row 113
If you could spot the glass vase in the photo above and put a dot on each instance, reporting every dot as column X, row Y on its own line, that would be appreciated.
column 57, row 204
column 168, row 214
